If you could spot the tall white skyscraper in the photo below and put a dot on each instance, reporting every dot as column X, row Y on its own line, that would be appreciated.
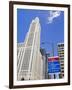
column 29, row 58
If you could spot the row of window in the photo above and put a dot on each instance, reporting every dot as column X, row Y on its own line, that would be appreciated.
column 62, row 71
column 61, row 45
column 61, row 64
column 61, row 58
column 61, row 55
column 61, row 52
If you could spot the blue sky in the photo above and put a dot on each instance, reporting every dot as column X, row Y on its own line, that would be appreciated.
column 52, row 26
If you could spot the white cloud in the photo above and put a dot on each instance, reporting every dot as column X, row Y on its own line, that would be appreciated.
column 52, row 15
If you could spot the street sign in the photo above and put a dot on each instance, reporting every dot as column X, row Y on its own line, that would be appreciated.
column 53, row 65
column 53, row 58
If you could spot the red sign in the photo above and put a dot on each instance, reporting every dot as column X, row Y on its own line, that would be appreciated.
column 53, row 58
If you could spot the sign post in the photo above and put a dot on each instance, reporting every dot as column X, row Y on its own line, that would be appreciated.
column 53, row 66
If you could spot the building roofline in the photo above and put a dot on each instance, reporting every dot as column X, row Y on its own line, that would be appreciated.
column 54, row 57
column 60, row 43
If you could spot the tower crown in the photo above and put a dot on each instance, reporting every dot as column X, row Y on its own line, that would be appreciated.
column 37, row 19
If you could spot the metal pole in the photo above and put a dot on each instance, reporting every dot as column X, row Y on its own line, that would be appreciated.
column 53, row 49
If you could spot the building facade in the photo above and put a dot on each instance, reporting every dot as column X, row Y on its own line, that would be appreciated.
column 29, row 58
column 45, row 63
column 61, row 57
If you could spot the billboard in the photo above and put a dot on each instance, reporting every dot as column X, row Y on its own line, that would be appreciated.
column 53, row 64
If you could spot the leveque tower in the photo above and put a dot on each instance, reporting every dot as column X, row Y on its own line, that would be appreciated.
column 29, row 58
